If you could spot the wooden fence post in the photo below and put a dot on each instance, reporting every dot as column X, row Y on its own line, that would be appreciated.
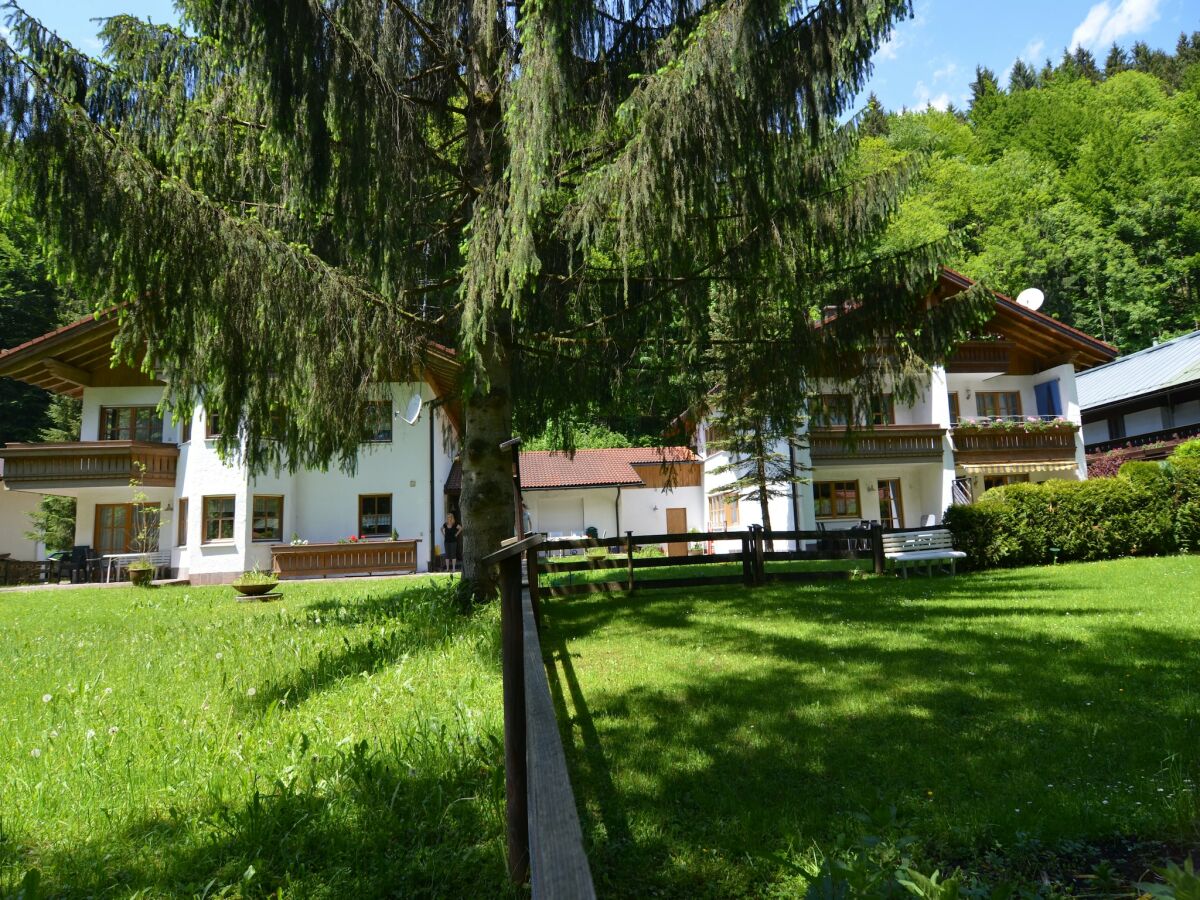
column 760, row 573
column 516, row 774
column 877, row 546
column 535, row 587
column 629, row 558
column 747, row 560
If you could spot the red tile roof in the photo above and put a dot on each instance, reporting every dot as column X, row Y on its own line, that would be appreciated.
column 553, row 469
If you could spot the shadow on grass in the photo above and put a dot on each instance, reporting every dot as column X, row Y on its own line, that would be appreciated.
column 972, row 721
column 359, row 824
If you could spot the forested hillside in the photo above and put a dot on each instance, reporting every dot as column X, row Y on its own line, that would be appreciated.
column 1082, row 180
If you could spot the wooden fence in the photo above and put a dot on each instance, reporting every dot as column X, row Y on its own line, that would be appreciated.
column 545, row 841
column 357, row 558
column 752, row 553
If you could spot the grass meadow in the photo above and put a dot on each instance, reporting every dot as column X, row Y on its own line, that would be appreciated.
column 1034, row 725
column 1037, row 726
column 344, row 741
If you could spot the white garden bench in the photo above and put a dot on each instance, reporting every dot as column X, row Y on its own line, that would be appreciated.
column 913, row 548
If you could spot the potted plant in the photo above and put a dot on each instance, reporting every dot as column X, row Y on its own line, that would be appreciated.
column 255, row 582
column 695, row 548
column 141, row 572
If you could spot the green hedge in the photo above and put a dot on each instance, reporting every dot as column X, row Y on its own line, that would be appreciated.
column 1149, row 508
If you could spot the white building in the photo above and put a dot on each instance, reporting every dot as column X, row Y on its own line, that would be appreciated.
column 1004, row 408
column 214, row 517
column 15, row 524
column 646, row 490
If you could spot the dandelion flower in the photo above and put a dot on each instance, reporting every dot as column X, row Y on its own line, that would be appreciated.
column 107, row 691
column 35, row 752
column 54, row 733
column 46, row 698
column 113, row 730
column 220, row 656
column 91, row 733
column 251, row 692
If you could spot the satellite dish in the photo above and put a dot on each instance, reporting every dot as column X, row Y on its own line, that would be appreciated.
column 413, row 411
column 1031, row 298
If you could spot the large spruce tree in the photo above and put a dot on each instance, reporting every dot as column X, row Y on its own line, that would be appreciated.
column 294, row 198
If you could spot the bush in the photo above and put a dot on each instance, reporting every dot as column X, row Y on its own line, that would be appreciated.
column 1187, row 450
column 1147, row 509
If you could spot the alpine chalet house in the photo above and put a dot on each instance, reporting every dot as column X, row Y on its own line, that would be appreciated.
column 1003, row 409
column 215, row 520
column 1144, row 404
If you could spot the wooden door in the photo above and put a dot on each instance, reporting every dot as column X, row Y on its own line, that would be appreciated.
column 891, row 504
column 677, row 524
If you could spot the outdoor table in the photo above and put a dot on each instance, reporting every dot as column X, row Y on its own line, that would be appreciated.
column 110, row 558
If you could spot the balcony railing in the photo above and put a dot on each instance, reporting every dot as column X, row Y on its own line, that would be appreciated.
column 82, row 464
column 1011, row 441
column 920, row 442
column 981, row 356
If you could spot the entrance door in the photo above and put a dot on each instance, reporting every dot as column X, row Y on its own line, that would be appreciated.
column 677, row 524
column 119, row 526
column 891, row 506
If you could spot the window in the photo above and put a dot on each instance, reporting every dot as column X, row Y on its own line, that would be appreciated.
column 181, row 527
column 211, row 428
column 834, row 409
column 723, row 510
column 883, row 411
column 954, row 413
column 1116, row 427
column 836, row 499
column 379, row 422
column 218, row 519
column 992, row 404
column 267, row 521
column 375, row 515
column 991, row 481
column 121, row 527
column 130, row 423
column 185, row 430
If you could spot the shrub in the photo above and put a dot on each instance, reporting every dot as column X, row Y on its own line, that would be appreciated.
column 1187, row 450
column 1148, row 509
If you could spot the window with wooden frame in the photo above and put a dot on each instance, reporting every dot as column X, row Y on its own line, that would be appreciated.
column 954, row 414
column 267, row 520
column 379, row 422
column 185, row 430
column 119, row 526
column 836, row 500
column 181, row 527
column 998, row 404
column 723, row 510
column 130, row 423
column 883, row 411
column 375, row 515
column 211, row 428
column 833, row 409
column 218, row 519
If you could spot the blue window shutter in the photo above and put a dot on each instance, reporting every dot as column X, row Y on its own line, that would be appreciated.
column 1049, row 401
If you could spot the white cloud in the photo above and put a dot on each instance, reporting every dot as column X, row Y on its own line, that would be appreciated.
column 926, row 97
column 946, row 71
column 1031, row 54
column 1105, row 23
column 890, row 48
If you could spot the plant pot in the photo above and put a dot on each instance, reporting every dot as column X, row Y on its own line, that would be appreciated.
column 253, row 590
column 140, row 577
column 696, row 551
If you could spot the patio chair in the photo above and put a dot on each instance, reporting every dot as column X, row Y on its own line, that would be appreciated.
column 81, row 564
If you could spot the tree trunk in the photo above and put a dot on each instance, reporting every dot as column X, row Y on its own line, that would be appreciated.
column 487, row 500
column 760, row 473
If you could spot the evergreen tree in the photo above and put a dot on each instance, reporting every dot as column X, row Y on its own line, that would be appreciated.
column 1085, row 64
column 1023, row 77
column 1117, row 61
column 296, row 198
column 874, row 118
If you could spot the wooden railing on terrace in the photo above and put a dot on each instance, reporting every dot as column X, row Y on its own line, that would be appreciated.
column 89, row 464
column 881, row 442
column 358, row 558
column 1014, row 443
column 981, row 356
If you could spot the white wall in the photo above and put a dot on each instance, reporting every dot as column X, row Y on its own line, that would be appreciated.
column 96, row 397
column 644, row 510
column 1144, row 421
column 15, row 507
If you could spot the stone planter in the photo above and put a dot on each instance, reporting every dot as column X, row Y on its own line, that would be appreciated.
column 254, row 590
column 141, row 577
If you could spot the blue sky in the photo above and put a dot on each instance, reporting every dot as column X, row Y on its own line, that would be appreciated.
column 930, row 59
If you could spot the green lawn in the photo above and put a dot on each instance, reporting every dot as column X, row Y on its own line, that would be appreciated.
column 1012, row 723
column 342, row 742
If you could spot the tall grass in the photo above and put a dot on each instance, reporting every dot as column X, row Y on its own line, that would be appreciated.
column 344, row 741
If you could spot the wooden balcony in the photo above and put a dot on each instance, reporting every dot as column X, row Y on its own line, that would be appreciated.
column 981, row 357
column 84, row 464
column 920, row 443
column 1014, row 444
column 358, row 558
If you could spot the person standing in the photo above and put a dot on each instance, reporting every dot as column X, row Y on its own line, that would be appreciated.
column 451, row 532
